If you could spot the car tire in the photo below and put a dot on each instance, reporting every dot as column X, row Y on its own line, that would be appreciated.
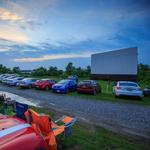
column 47, row 88
column 30, row 86
column 116, row 96
column 67, row 90
column 140, row 98
column 94, row 92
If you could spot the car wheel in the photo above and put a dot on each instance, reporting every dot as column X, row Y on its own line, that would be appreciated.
column 46, row 88
column 94, row 92
column 67, row 90
column 140, row 98
column 30, row 86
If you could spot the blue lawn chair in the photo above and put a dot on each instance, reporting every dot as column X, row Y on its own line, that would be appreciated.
column 20, row 110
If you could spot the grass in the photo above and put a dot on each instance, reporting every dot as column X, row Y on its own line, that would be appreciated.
column 87, row 137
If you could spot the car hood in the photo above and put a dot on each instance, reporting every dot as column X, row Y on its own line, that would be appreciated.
column 13, row 130
column 39, row 83
column 59, row 85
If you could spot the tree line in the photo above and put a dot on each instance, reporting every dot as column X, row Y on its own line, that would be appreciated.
column 51, row 71
column 143, row 71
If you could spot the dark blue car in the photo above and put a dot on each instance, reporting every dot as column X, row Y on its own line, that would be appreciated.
column 64, row 86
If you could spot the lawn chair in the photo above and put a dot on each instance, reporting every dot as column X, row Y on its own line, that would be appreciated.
column 20, row 109
column 49, row 129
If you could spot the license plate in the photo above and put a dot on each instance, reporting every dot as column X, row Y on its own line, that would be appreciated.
column 58, row 91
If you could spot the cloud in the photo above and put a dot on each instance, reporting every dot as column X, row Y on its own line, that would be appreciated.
column 9, row 16
column 12, row 34
column 53, row 57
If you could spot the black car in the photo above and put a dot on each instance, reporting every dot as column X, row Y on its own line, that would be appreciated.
column 146, row 92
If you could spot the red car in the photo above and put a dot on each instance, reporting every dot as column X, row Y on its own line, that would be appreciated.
column 17, row 134
column 37, row 133
column 89, row 86
column 44, row 84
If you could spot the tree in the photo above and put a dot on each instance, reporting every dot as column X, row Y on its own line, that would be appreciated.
column 144, row 73
column 4, row 69
column 41, row 71
column 70, row 69
column 16, row 70
column 88, row 70
column 53, row 71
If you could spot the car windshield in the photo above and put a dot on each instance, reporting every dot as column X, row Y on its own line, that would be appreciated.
column 86, row 82
column 63, row 81
column 44, row 79
column 11, row 77
column 19, row 78
column 27, row 79
column 128, row 84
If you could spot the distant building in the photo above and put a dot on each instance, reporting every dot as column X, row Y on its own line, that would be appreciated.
column 27, row 71
column 115, row 65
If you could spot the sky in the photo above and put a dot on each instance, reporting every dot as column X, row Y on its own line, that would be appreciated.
column 55, row 32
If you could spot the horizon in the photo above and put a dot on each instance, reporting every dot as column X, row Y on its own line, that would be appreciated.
column 56, row 32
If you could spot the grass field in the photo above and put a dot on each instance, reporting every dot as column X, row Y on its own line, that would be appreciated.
column 106, row 94
column 87, row 137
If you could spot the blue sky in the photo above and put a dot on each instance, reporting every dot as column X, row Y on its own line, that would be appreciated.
column 55, row 32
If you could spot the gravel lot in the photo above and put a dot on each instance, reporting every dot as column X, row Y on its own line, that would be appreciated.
column 124, row 118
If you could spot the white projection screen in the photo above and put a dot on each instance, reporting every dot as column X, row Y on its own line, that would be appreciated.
column 115, row 65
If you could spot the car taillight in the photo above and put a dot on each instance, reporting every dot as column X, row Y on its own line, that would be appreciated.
column 118, row 88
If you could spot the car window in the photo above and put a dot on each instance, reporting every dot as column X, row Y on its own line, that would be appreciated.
column 50, row 81
column 63, row 82
column 26, row 79
column 94, row 82
column 86, row 82
column 72, row 82
column 115, row 84
column 128, row 84
column 20, row 78
column 33, row 80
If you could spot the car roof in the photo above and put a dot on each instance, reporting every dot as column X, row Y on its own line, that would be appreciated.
column 126, row 82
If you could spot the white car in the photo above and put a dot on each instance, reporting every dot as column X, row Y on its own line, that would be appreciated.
column 127, row 88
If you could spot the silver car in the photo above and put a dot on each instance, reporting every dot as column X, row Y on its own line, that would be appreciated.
column 127, row 88
column 7, row 78
column 14, row 81
column 26, row 83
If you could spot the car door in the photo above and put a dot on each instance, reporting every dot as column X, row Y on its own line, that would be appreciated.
column 72, row 85
column 32, row 81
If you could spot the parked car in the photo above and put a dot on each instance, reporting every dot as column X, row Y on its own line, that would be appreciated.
column 89, row 86
column 26, row 82
column 44, row 84
column 1, row 77
column 6, row 79
column 64, row 86
column 14, row 81
column 127, row 88
column 73, row 77
column 146, row 92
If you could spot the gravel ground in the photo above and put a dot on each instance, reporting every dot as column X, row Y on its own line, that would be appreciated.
column 124, row 118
